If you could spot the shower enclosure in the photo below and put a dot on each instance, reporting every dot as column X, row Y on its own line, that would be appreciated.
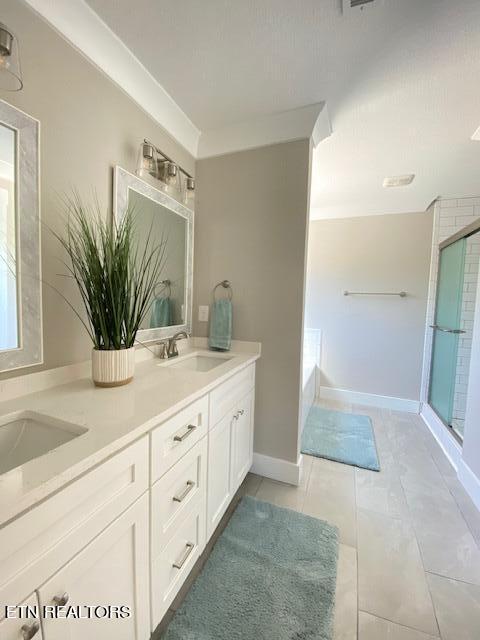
column 453, row 325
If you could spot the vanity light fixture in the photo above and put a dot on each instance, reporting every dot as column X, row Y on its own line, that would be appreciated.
column 153, row 161
column 10, row 72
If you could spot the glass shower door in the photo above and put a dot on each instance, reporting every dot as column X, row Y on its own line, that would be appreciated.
column 447, row 329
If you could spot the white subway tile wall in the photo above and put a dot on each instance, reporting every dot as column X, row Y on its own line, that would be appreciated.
column 451, row 215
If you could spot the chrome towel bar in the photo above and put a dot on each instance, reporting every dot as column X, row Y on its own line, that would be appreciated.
column 402, row 294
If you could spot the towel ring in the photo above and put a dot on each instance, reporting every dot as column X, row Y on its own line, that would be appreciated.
column 226, row 285
column 167, row 284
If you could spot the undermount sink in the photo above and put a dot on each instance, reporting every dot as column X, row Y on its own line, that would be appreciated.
column 25, row 435
column 197, row 362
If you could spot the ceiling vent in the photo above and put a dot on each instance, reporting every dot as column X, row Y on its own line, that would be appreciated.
column 399, row 181
column 348, row 5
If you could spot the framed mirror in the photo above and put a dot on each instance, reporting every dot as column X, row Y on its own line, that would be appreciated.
column 161, row 218
column 20, row 275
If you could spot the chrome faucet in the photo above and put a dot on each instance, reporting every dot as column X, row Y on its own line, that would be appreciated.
column 172, row 350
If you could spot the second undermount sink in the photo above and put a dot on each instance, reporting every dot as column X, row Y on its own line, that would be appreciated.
column 25, row 435
column 199, row 362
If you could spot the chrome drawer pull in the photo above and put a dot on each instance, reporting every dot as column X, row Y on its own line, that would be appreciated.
column 62, row 600
column 29, row 630
column 189, row 548
column 190, row 429
column 186, row 491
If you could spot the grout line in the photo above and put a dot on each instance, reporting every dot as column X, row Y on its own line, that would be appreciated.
column 415, row 532
column 439, row 575
column 356, row 548
column 477, row 543
column 410, row 421
column 399, row 624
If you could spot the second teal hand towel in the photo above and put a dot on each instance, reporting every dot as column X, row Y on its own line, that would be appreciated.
column 220, row 338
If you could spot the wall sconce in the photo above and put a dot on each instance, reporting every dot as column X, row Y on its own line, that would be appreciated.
column 10, row 73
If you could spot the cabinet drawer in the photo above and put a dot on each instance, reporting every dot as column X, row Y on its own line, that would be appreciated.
column 43, row 539
column 172, row 439
column 172, row 566
column 178, row 491
column 26, row 626
column 226, row 396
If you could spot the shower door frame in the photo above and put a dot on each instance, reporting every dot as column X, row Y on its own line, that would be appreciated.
column 465, row 232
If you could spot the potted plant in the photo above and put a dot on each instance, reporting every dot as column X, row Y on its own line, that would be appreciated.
column 116, row 279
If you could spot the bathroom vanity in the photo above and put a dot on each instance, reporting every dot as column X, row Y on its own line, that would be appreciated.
column 118, row 515
column 108, row 496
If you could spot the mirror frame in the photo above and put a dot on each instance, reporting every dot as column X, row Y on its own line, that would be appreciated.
column 123, row 182
column 29, row 351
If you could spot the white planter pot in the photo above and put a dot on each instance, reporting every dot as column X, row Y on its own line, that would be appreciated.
column 113, row 368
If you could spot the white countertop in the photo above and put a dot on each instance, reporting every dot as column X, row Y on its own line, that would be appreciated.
column 114, row 418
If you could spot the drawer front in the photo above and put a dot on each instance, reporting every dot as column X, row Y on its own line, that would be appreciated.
column 43, row 539
column 172, row 566
column 177, row 492
column 26, row 624
column 226, row 396
column 172, row 439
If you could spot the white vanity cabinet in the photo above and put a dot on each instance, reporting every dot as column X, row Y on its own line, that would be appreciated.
column 88, row 541
column 128, row 532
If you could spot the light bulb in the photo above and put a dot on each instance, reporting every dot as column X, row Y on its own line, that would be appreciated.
column 146, row 160
column 10, row 73
column 189, row 194
column 171, row 176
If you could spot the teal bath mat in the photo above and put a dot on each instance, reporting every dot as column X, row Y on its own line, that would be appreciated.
column 343, row 437
column 270, row 576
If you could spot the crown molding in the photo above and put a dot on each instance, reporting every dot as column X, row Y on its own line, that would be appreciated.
column 83, row 28
column 311, row 121
column 76, row 21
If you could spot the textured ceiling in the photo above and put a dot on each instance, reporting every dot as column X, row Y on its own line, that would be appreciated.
column 400, row 80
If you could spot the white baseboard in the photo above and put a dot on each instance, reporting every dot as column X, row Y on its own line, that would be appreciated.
column 370, row 399
column 450, row 447
column 470, row 482
column 278, row 469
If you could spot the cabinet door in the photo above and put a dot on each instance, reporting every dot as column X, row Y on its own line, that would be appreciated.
column 112, row 571
column 25, row 625
column 219, row 471
column 242, row 440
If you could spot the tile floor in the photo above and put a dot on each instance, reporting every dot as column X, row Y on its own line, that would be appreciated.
column 409, row 555
column 409, row 561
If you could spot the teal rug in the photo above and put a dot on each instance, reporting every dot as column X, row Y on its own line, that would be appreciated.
column 270, row 576
column 343, row 437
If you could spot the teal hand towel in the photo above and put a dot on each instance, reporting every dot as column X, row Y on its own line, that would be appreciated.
column 220, row 338
column 161, row 313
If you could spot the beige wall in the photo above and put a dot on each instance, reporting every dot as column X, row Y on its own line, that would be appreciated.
column 250, row 228
column 370, row 344
column 87, row 126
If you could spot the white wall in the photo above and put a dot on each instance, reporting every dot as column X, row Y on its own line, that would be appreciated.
column 372, row 345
